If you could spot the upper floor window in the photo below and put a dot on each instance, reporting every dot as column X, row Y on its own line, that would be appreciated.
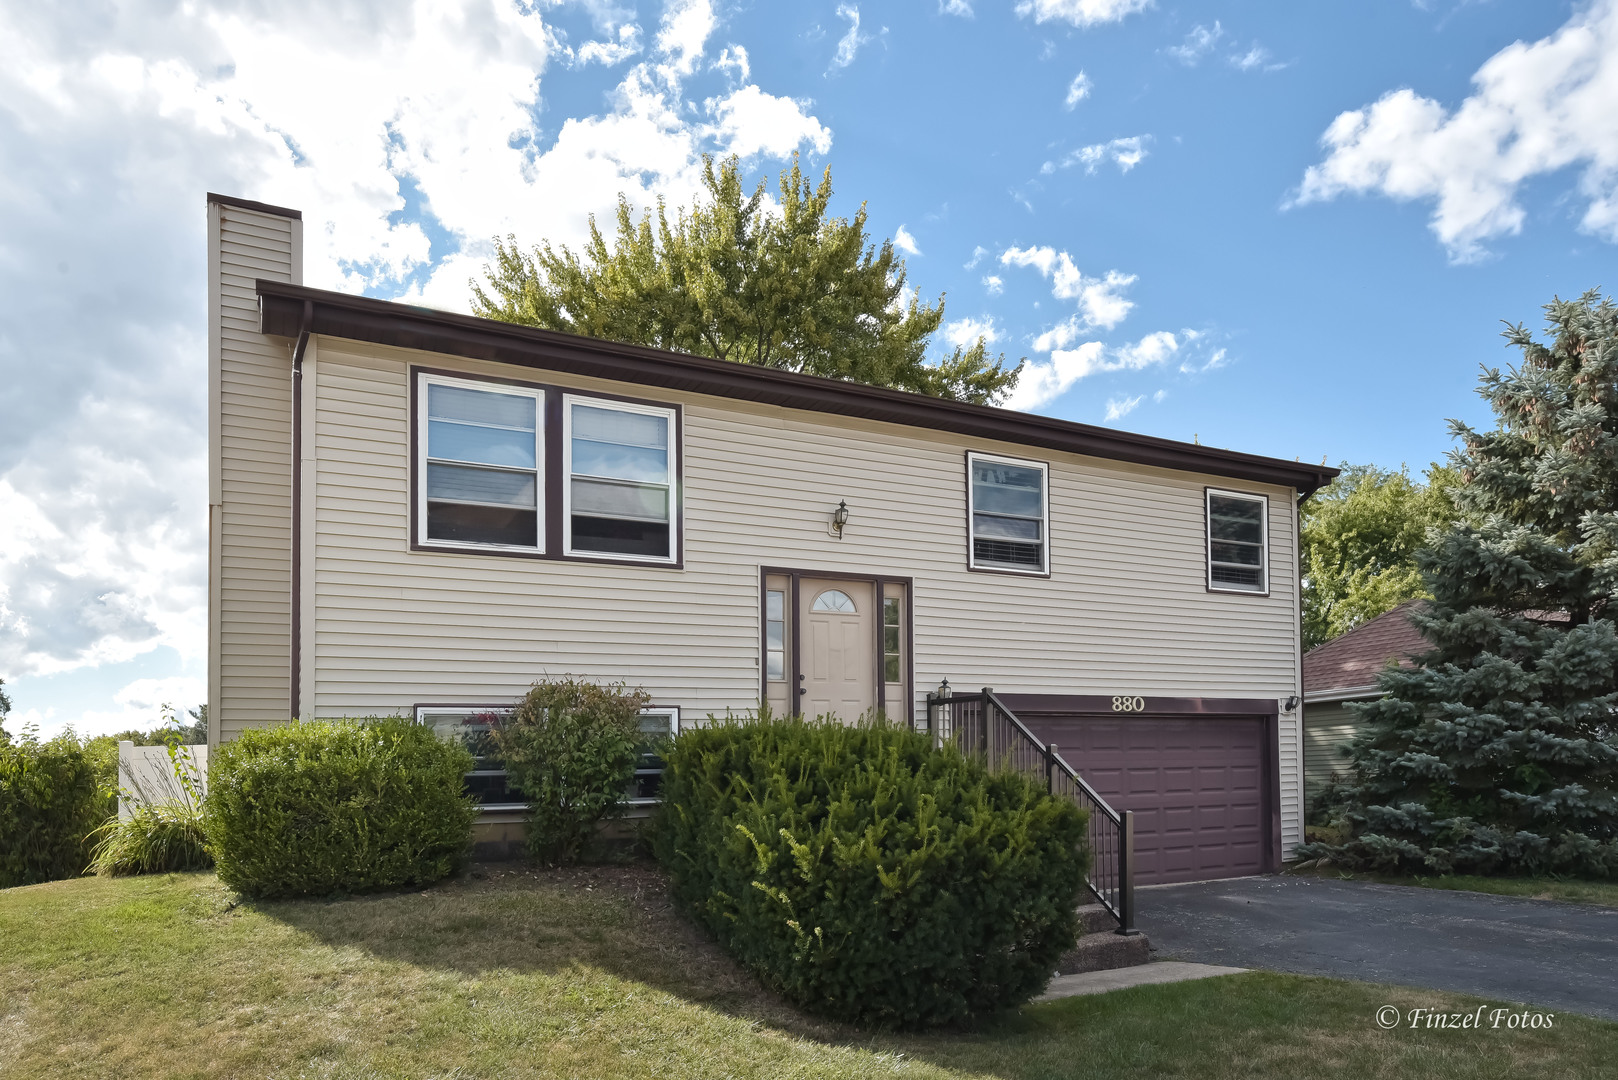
column 482, row 464
column 1009, row 513
column 620, row 479
column 1238, row 542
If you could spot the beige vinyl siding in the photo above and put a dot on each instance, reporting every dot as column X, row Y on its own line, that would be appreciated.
column 1328, row 728
column 1125, row 610
column 250, row 474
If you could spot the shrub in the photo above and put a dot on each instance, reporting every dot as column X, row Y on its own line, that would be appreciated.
column 49, row 803
column 330, row 806
column 154, row 839
column 571, row 748
column 866, row 875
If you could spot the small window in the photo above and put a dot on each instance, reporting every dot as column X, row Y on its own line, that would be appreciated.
column 469, row 726
column 657, row 726
column 1237, row 542
column 890, row 640
column 1008, row 514
column 775, row 635
column 835, row 601
column 620, row 480
column 480, row 472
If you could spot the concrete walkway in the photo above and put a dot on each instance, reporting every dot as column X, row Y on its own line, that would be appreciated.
column 1099, row 982
column 1537, row 952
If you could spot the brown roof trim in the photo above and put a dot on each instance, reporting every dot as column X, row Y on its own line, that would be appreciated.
column 383, row 322
column 249, row 204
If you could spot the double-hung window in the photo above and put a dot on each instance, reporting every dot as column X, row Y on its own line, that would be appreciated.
column 481, row 464
column 1009, row 514
column 620, row 473
column 1238, row 542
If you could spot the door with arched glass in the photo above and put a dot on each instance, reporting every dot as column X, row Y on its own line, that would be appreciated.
column 838, row 655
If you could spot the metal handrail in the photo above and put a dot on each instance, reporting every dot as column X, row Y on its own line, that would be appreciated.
column 1111, row 877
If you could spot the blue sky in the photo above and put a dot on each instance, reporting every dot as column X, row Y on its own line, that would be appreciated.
column 1291, row 229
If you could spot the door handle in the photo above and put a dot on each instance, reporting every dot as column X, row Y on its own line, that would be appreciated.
column 803, row 690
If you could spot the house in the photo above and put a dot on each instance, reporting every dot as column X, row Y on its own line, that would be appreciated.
column 1343, row 671
column 419, row 512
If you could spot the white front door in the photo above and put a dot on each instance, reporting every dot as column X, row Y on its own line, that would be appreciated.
column 838, row 625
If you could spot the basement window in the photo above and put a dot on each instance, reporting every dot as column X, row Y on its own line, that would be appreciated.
column 1009, row 514
column 1238, row 542
column 658, row 724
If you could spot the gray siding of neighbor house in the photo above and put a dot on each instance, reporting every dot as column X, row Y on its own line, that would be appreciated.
column 1328, row 728
column 1125, row 610
column 249, row 472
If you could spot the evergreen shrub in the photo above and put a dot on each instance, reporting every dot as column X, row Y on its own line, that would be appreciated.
column 866, row 875
column 571, row 748
column 337, row 806
column 50, row 802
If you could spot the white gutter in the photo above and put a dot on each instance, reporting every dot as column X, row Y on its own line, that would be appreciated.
column 1349, row 693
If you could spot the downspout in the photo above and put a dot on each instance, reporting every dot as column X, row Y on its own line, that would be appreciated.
column 297, row 504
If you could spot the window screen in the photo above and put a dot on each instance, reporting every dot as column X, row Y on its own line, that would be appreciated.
column 1008, row 514
column 1236, row 542
column 483, row 473
column 620, row 480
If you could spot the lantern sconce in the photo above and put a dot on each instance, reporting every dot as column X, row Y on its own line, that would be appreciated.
column 839, row 518
column 1290, row 704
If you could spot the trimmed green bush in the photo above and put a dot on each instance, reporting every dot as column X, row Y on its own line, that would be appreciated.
column 866, row 875
column 571, row 748
column 337, row 806
column 154, row 839
column 50, row 801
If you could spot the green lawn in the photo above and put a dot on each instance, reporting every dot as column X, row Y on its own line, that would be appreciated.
column 590, row 974
column 1571, row 890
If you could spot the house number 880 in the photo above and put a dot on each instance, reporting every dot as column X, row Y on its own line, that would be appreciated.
column 1128, row 704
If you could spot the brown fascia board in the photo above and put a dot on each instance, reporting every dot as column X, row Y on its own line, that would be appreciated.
column 249, row 204
column 383, row 322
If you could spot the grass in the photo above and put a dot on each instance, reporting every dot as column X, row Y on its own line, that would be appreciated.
column 1570, row 890
column 588, row 973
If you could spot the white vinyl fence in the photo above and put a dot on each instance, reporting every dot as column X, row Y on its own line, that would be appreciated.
column 147, row 775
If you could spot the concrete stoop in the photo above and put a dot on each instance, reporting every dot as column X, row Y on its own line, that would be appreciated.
column 1099, row 948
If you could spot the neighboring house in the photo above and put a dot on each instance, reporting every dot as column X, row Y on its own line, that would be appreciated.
column 419, row 512
column 1342, row 671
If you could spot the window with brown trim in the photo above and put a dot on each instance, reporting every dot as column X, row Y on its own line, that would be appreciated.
column 482, row 464
column 1008, row 514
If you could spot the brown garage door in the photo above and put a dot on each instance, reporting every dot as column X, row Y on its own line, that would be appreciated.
column 1196, row 784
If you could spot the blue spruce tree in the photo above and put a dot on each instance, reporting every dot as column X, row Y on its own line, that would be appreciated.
column 1498, row 752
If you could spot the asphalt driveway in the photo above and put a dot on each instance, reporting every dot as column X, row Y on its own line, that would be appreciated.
column 1538, row 952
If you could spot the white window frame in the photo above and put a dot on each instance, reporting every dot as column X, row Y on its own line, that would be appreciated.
column 972, row 458
column 424, row 712
column 1264, row 541
column 423, row 381
column 673, row 713
column 566, row 479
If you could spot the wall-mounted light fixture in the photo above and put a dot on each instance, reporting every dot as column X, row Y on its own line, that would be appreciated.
column 1291, row 703
column 839, row 517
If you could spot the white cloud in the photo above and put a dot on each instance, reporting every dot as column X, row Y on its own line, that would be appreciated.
column 1081, row 13
column 993, row 285
column 610, row 53
column 1100, row 299
column 977, row 256
column 1198, row 43
column 849, row 45
column 1045, row 380
column 111, row 130
column 905, row 242
column 1120, row 407
column 1256, row 57
column 733, row 61
column 1077, row 90
column 1124, row 153
column 141, row 705
column 965, row 332
column 1536, row 108
column 955, row 7
column 750, row 121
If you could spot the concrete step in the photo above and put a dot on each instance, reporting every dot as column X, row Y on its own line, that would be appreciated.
column 1094, row 919
column 1104, row 952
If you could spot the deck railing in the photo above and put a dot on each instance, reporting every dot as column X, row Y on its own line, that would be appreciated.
column 980, row 724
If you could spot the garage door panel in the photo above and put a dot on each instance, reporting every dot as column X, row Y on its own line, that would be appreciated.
column 1195, row 784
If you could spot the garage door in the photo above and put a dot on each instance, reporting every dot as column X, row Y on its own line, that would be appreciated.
column 1195, row 783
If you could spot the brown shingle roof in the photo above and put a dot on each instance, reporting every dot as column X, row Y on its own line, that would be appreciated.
column 1354, row 659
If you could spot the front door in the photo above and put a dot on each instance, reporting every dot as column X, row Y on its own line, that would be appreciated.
column 839, row 647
